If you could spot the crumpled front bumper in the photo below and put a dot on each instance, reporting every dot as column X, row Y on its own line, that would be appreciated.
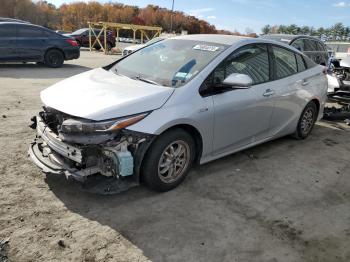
column 50, row 153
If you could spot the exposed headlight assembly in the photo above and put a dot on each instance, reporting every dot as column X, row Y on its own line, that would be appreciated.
column 88, row 126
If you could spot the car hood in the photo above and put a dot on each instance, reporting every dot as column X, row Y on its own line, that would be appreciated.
column 100, row 94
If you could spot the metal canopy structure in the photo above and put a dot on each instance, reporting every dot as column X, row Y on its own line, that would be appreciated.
column 147, row 32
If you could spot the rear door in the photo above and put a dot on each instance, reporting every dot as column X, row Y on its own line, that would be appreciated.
column 7, row 42
column 290, row 81
column 32, row 42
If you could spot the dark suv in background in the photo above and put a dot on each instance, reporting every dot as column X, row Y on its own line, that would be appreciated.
column 310, row 46
column 21, row 42
column 82, row 37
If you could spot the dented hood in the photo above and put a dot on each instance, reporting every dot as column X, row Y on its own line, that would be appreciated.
column 99, row 94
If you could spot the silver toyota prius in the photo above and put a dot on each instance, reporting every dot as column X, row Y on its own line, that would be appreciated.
column 151, row 115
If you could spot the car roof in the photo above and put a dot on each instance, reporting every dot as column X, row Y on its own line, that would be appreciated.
column 213, row 38
column 285, row 38
column 6, row 19
column 17, row 23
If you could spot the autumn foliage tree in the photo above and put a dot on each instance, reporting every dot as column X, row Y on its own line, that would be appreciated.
column 75, row 15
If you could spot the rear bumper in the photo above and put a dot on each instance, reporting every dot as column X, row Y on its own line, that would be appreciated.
column 72, row 53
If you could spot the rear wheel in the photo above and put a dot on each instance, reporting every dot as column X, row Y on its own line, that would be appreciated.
column 168, row 160
column 54, row 58
column 307, row 121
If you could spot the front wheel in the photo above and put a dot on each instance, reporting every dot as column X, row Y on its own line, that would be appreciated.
column 168, row 160
column 307, row 121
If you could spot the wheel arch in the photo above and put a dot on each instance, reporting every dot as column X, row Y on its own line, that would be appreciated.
column 196, row 136
column 190, row 129
column 317, row 103
column 55, row 48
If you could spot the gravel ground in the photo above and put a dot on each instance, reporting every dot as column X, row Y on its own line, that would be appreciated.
column 286, row 200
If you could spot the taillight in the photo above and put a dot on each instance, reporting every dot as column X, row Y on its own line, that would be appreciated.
column 72, row 42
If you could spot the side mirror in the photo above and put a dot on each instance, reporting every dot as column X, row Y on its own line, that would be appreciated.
column 238, row 81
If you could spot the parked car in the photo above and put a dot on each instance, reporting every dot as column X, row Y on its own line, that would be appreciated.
column 20, row 42
column 130, row 49
column 310, row 46
column 62, row 32
column 204, row 97
column 82, row 37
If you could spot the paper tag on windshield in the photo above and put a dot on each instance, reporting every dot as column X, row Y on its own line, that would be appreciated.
column 210, row 48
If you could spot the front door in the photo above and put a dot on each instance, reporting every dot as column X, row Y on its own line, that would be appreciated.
column 242, row 116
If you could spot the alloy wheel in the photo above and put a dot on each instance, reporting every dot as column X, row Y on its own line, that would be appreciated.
column 174, row 161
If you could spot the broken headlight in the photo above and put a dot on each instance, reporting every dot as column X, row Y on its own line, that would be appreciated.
column 88, row 126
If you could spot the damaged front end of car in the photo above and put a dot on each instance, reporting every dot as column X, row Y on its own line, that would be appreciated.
column 79, row 148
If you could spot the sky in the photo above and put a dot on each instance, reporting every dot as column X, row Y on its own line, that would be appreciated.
column 254, row 14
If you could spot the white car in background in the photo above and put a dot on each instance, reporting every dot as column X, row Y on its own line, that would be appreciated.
column 130, row 49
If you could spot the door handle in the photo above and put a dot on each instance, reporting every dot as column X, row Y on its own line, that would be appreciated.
column 268, row 93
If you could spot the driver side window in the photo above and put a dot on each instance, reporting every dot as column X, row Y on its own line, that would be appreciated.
column 251, row 60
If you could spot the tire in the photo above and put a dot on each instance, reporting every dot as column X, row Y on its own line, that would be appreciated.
column 54, row 58
column 109, row 46
column 97, row 47
column 307, row 121
column 162, row 169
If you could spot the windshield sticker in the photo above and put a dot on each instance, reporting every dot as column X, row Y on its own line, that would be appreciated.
column 210, row 48
column 181, row 75
column 285, row 40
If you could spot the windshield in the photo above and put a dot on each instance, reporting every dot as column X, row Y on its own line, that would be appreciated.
column 172, row 62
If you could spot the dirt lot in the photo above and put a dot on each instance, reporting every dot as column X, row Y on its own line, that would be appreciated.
column 286, row 200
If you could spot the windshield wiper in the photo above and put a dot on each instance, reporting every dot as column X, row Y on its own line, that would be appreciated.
column 147, row 80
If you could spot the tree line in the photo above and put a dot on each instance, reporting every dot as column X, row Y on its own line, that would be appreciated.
column 336, row 32
column 70, row 17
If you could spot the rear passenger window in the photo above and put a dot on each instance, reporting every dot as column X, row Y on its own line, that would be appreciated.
column 300, row 63
column 286, row 64
column 310, row 45
column 30, row 31
column 7, row 31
